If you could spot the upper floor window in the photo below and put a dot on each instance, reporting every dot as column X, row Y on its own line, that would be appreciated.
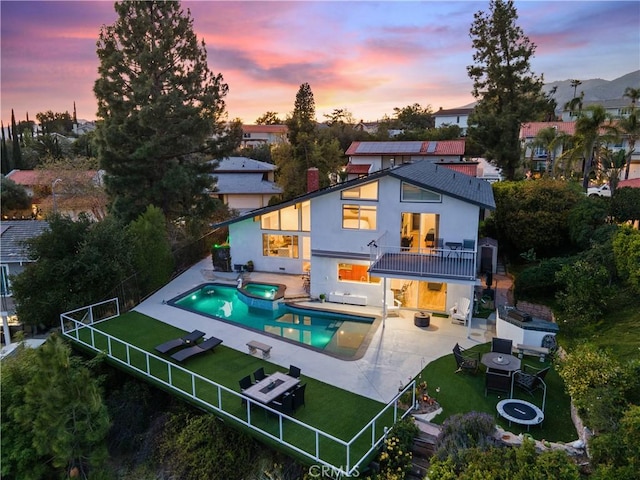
column 359, row 217
column 411, row 193
column 292, row 218
column 368, row 191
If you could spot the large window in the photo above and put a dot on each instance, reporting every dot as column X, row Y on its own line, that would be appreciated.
column 280, row 246
column 349, row 272
column 411, row 193
column 5, row 285
column 359, row 217
column 292, row 218
column 368, row 191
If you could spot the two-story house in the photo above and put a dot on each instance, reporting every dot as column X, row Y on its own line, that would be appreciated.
column 368, row 157
column 453, row 116
column 257, row 135
column 244, row 183
column 410, row 231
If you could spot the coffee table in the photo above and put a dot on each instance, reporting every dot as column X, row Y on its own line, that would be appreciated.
column 501, row 361
column 520, row 411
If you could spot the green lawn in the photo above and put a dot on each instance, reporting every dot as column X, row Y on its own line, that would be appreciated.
column 331, row 409
column 464, row 392
column 328, row 408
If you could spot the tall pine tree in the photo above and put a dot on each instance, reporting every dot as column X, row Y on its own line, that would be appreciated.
column 159, row 104
column 508, row 92
column 16, row 153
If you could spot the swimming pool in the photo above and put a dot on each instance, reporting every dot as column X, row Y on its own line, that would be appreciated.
column 341, row 335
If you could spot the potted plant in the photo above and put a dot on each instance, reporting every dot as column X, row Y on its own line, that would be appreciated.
column 249, row 266
column 322, row 297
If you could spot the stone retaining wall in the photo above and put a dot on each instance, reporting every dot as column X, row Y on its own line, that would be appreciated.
column 535, row 310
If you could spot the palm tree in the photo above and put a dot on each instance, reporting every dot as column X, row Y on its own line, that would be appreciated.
column 593, row 129
column 630, row 126
column 575, row 83
column 549, row 138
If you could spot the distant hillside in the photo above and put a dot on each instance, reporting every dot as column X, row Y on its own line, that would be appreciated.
column 595, row 89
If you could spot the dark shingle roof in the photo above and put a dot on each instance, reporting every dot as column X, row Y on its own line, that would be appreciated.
column 422, row 174
column 14, row 233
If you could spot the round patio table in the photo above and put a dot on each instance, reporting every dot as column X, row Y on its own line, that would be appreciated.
column 520, row 411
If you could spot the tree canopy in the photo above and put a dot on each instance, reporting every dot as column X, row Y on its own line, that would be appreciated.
column 508, row 92
column 158, row 105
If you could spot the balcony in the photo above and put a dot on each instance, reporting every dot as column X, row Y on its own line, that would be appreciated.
column 451, row 263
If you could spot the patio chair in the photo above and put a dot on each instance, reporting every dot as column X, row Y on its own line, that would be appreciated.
column 468, row 244
column 189, row 352
column 497, row 381
column 530, row 382
column 188, row 339
column 501, row 345
column 245, row 382
column 393, row 304
column 294, row 371
column 460, row 311
column 466, row 361
column 284, row 404
column 259, row 375
column 298, row 396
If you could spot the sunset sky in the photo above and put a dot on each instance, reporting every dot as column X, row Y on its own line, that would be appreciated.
column 367, row 57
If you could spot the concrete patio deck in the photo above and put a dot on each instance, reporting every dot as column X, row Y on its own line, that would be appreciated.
column 397, row 352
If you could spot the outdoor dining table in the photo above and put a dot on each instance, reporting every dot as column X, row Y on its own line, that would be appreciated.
column 501, row 361
column 271, row 387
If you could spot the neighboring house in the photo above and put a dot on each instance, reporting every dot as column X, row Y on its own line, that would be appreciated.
column 539, row 156
column 369, row 157
column 617, row 107
column 245, row 184
column 393, row 231
column 453, row 116
column 13, row 253
column 67, row 192
column 257, row 135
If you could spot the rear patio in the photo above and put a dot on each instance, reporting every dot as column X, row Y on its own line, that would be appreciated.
column 397, row 352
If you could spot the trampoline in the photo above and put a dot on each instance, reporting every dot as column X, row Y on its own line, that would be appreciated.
column 520, row 411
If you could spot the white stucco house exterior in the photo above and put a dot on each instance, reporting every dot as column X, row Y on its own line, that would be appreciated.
column 453, row 116
column 410, row 232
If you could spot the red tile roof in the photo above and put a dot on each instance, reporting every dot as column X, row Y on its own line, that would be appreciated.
column 632, row 182
column 427, row 149
column 358, row 169
column 531, row 129
column 469, row 168
column 42, row 177
column 264, row 129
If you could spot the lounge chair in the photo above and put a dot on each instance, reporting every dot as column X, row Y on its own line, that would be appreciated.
column 205, row 346
column 465, row 360
column 460, row 311
column 188, row 339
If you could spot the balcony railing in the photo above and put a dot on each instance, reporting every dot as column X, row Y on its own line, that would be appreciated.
column 445, row 263
column 78, row 325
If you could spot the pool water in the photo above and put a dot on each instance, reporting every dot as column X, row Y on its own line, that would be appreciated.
column 342, row 335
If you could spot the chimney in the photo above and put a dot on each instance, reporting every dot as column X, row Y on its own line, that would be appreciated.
column 313, row 179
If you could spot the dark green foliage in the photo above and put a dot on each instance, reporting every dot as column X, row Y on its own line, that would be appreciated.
column 55, row 122
column 151, row 249
column 261, row 153
column 522, row 463
column 584, row 294
column 156, row 122
column 587, row 215
column 16, row 153
column 508, row 93
column 462, row 431
column 62, row 414
column 79, row 262
column 534, row 215
column 539, row 281
column 193, row 447
column 269, row 118
column 626, row 249
column 625, row 204
column 14, row 196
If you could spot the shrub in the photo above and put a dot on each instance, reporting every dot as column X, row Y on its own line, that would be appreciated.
column 539, row 281
column 463, row 431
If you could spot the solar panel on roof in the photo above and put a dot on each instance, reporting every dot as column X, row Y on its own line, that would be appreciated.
column 389, row 147
column 431, row 148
